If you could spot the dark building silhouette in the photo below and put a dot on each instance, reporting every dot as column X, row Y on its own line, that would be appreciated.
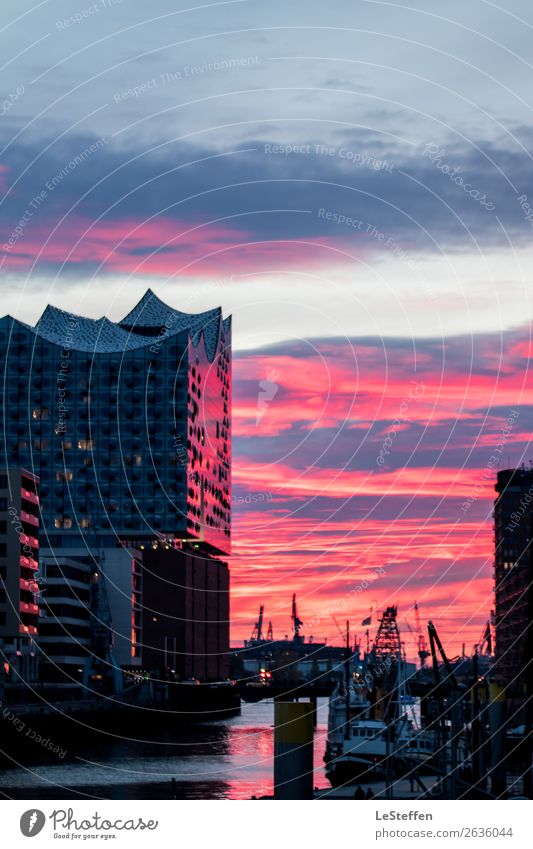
column 513, row 516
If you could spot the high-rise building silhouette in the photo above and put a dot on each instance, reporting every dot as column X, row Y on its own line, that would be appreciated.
column 513, row 516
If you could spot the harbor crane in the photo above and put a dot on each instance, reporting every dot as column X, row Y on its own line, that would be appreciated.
column 270, row 633
column 423, row 652
column 296, row 621
column 448, row 723
column 484, row 647
column 257, row 633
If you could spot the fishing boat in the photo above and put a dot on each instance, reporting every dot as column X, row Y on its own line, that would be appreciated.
column 359, row 747
column 367, row 739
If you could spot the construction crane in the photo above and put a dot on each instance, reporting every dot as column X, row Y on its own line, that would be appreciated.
column 339, row 629
column 296, row 621
column 342, row 635
column 423, row 652
column 449, row 723
column 270, row 633
column 387, row 641
column 257, row 633
column 484, row 646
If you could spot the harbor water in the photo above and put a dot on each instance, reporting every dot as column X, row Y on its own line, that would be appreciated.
column 230, row 759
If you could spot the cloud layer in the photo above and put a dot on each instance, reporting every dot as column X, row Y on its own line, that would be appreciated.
column 87, row 204
column 316, row 512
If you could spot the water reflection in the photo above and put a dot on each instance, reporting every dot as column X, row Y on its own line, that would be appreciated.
column 218, row 760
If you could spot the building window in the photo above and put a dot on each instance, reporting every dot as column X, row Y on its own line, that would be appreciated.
column 65, row 475
column 85, row 444
column 40, row 413
column 62, row 522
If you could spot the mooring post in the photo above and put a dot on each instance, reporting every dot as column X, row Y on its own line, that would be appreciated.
column 293, row 750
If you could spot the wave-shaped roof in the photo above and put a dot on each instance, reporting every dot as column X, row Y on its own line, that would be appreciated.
column 104, row 336
column 151, row 311
column 86, row 334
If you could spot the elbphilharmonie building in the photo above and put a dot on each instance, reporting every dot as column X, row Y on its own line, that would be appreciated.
column 127, row 426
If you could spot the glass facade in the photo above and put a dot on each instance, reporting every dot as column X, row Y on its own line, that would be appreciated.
column 127, row 424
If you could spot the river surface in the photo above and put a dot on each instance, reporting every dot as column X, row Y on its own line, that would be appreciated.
column 231, row 759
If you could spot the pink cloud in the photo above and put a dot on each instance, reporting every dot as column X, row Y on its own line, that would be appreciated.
column 159, row 247
column 332, row 520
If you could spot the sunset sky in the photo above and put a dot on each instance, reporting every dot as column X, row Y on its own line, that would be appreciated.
column 360, row 197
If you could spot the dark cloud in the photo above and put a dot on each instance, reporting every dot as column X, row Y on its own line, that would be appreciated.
column 404, row 194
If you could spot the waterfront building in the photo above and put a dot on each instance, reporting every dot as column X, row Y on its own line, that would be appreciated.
column 80, row 593
column 185, row 623
column 128, row 423
column 287, row 660
column 128, row 426
column 65, row 618
column 513, row 515
column 19, row 564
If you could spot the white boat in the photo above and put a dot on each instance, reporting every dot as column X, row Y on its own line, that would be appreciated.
column 358, row 748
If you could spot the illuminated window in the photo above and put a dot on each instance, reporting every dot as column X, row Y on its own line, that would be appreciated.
column 62, row 522
column 66, row 475
column 40, row 413
column 85, row 444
